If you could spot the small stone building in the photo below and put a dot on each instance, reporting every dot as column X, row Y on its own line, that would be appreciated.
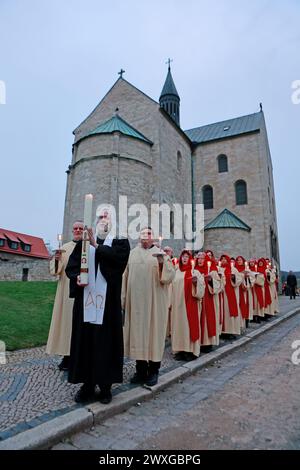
column 23, row 257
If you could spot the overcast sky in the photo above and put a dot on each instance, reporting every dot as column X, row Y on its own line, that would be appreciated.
column 58, row 58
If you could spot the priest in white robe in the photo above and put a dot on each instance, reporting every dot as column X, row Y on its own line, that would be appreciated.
column 145, row 299
column 59, row 339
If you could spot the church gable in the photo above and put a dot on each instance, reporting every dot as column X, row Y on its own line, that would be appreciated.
column 134, row 106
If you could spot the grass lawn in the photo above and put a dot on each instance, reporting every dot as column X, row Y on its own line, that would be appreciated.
column 25, row 313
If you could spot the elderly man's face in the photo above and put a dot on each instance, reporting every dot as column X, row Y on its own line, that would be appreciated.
column 104, row 224
column 77, row 231
column 146, row 238
column 168, row 250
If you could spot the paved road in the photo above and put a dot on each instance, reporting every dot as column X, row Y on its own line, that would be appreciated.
column 248, row 400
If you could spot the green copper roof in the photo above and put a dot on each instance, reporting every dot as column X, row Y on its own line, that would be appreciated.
column 229, row 128
column 227, row 219
column 169, row 87
column 117, row 124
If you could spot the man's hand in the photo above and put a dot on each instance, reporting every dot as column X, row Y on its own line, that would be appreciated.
column 194, row 280
column 160, row 259
column 233, row 277
column 79, row 283
column 91, row 237
column 57, row 255
column 208, row 277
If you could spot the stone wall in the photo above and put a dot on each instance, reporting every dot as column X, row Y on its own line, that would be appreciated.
column 11, row 268
column 229, row 241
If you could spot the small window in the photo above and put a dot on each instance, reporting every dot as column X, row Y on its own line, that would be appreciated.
column 2, row 242
column 222, row 164
column 13, row 245
column 208, row 197
column 179, row 161
column 25, row 247
column 241, row 197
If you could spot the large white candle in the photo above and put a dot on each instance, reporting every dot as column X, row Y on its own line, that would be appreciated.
column 208, row 266
column 88, row 210
column 87, row 220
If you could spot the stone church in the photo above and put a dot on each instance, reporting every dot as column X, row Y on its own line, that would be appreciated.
column 132, row 145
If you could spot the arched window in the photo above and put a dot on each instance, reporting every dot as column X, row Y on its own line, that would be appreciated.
column 208, row 197
column 241, row 192
column 222, row 163
column 179, row 161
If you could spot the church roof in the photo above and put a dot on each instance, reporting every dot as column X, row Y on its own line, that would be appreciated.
column 117, row 124
column 227, row 219
column 169, row 87
column 228, row 128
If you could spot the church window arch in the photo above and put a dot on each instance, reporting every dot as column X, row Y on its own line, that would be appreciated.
column 208, row 197
column 222, row 163
column 241, row 196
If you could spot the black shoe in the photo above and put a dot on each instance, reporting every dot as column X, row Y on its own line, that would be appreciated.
column 105, row 397
column 188, row 356
column 151, row 380
column 84, row 394
column 179, row 356
column 64, row 364
column 138, row 379
column 206, row 349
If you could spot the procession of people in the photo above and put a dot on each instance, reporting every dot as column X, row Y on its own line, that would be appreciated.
column 128, row 302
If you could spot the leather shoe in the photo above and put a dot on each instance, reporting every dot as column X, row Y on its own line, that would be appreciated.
column 105, row 397
column 151, row 380
column 84, row 394
column 138, row 379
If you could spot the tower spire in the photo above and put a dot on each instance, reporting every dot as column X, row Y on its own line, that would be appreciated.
column 169, row 99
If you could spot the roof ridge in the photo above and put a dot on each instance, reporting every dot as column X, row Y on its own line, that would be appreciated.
column 225, row 120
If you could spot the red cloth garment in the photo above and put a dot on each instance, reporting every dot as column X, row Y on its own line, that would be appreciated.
column 208, row 314
column 191, row 303
column 262, row 269
column 244, row 305
column 229, row 289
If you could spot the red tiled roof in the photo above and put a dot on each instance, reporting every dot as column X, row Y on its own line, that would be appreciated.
column 38, row 247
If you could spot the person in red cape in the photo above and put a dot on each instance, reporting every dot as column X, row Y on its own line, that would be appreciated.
column 231, row 321
column 210, row 325
column 240, row 264
column 187, row 291
column 262, row 267
column 257, row 291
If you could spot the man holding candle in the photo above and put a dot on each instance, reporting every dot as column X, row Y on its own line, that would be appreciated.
column 59, row 340
column 97, row 342
column 145, row 300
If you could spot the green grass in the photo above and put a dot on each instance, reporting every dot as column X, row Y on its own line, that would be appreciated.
column 25, row 313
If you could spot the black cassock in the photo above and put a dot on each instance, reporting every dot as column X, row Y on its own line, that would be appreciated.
column 97, row 350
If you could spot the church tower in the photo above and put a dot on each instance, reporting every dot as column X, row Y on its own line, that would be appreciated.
column 169, row 99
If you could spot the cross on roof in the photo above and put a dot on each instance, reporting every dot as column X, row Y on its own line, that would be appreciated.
column 121, row 73
column 169, row 63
